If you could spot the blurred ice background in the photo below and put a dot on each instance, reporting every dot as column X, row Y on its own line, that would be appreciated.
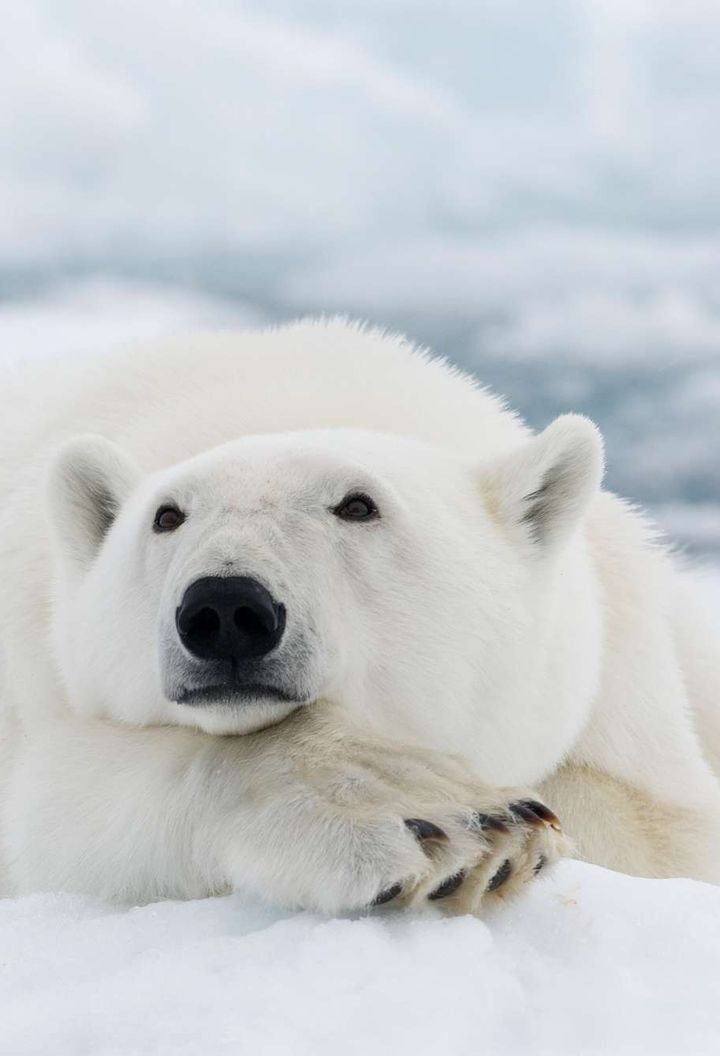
column 531, row 188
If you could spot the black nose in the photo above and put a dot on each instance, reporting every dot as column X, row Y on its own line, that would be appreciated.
column 229, row 618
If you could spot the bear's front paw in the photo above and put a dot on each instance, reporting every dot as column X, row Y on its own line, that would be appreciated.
column 338, row 820
column 406, row 827
column 506, row 850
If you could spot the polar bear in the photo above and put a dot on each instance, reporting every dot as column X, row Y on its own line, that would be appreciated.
column 307, row 612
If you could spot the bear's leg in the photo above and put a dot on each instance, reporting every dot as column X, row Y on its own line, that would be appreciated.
column 310, row 813
column 612, row 823
column 642, row 795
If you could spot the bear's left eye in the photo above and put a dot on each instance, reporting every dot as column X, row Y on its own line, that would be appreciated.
column 167, row 518
column 357, row 506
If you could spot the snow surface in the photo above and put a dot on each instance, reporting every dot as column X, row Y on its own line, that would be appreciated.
column 590, row 962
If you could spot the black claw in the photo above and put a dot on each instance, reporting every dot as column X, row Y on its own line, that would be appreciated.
column 526, row 814
column 501, row 876
column 540, row 864
column 425, row 830
column 388, row 895
column 527, row 807
column 447, row 887
column 489, row 821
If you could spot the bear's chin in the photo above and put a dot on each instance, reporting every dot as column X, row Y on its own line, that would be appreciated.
column 233, row 716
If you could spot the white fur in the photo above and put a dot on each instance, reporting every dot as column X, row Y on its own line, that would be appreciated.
column 502, row 609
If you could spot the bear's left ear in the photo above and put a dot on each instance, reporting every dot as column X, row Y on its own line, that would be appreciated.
column 89, row 479
column 542, row 489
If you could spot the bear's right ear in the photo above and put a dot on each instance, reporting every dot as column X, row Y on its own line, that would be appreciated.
column 88, row 481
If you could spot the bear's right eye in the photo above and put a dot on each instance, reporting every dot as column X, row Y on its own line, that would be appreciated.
column 168, row 518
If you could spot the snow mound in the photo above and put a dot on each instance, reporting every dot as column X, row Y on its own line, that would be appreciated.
column 589, row 962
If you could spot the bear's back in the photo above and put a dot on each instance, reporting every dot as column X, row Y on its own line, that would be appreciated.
column 169, row 401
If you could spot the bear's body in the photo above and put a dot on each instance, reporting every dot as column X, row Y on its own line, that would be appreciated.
column 498, row 606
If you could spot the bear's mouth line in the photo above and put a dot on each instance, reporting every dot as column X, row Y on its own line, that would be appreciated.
column 229, row 694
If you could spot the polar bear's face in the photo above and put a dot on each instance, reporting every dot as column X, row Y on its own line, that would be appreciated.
column 276, row 570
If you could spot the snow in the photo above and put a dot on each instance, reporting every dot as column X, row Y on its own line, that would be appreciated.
column 589, row 962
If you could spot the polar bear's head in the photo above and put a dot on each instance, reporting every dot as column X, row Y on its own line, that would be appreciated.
column 259, row 576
